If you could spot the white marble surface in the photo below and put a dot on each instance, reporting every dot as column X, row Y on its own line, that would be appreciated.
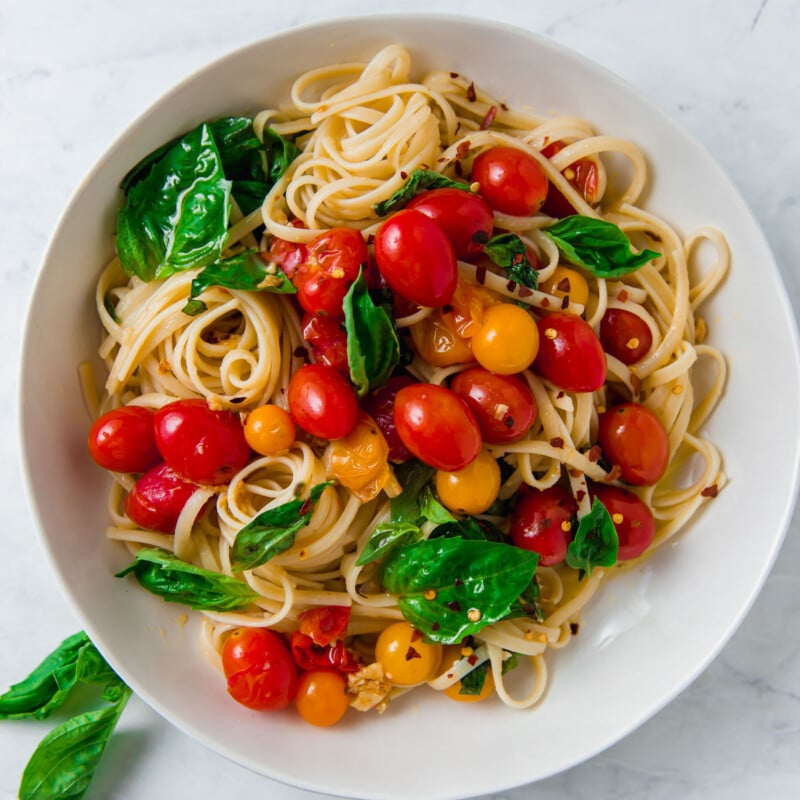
column 73, row 74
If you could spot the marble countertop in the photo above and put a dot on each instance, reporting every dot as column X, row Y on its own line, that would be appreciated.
column 73, row 75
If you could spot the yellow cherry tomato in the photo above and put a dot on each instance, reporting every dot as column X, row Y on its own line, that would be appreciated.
column 437, row 342
column 470, row 490
column 322, row 697
column 269, row 430
column 406, row 659
column 507, row 341
column 565, row 281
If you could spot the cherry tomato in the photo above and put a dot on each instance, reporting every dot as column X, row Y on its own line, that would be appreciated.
column 380, row 406
column 633, row 437
column 269, row 429
column 327, row 339
column 570, row 355
column 583, row 176
column 322, row 697
column 288, row 255
column 507, row 341
column 322, row 401
column 259, row 669
column 308, row 655
column 503, row 405
column 324, row 624
column 543, row 522
column 625, row 335
column 566, row 282
column 332, row 262
column 511, row 180
column 123, row 440
column 632, row 518
column 157, row 499
column 416, row 258
column 406, row 658
column 200, row 444
column 437, row 426
column 470, row 490
column 438, row 343
column 463, row 216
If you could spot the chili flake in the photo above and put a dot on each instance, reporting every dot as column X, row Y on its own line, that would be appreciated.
column 429, row 594
column 710, row 491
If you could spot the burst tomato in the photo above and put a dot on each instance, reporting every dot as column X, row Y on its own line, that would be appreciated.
column 157, row 499
column 328, row 340
column 583, row 176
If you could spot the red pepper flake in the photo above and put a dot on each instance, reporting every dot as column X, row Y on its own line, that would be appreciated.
column 710, row 491
column 435, row 626
column 504, row 106
column 565, row 302
column 511, row 286
column 524, row 291
column 580, row 494
column 458, row 582
column 636, row 383
column 411, row 653
column 454, row 605
column 480, row 275
column 403, row 174
column 416, row 635
column 614, row 473
column 371, row 238
column 300, row 352
column 594, row 453
column 564, row 285
column 489, row 118
column 574, row 627
column 560, row 395
column 471, row 95
column 623, row 295
column 575, row 473
column 472, row 660
column 454, row 75
column 545, row 303
column 462, row 151
column 556, row 441
column 457, row 168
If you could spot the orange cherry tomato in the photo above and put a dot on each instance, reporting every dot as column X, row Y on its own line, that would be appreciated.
column 269, row 429
column 322, row 697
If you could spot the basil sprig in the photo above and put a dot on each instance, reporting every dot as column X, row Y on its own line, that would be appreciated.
column 66, row 759
column 508, row 251
column 420, row 180
column 165, row 575
column 596, row 543
column 597, row 245
column 273, row 531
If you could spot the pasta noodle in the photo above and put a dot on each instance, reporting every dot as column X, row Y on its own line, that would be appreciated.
column 362, row 129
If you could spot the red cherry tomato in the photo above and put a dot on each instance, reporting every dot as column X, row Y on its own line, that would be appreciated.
column 570, row 355
column 324, row 624
column 157, row 499
column 633, row 437
column 288, row 255
column 463, row 216
column 625, row 335
column 436, row 425
column 544, row 522
column 308, row 655
column 380, row 406
column 259, row 669
column 200, row 444
column 122, row 440
column 583, row 176
column 328, row 340
column 322, row 401
column 632, row 518
column 416, row 258
column 332, row 262
column 503, row 405
column 511, row 180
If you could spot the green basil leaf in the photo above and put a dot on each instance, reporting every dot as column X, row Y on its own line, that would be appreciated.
column 527, row 604
column 596, row 543
column 420, row 180
column 432, row 509
column 385, row 538
column 373, row 349
column 450, row 588
column 176, row 218
column 512, row 662
column 280, row 154
column 470, row 528
column 413, row 476
column 66, row 759
column 273, row 531
column 164, row 574
column 597, row 245
column 508, row 251
column 472, row 683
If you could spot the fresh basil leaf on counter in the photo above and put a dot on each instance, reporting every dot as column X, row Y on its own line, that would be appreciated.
column 165, row 575
column 273, row 531
column 373, row 349
column 176, row 218
column 597, row 245
column 420, row 180
column 596, row 543
column 508, row 251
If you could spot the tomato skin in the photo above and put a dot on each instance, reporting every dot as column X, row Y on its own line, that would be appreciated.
column 625, row 335
column 633, row 438
column 570, row 355
column 324, row 624
column 259, row 669
column 308, row 655
column 328, row 341
column 157, row 499
column 463, row 216
column 416, row 258
column 123, row 440
column 322, row 401
column 200, row 444
column 539, row 520
column 511, row 181
column 379, row 404
column 287, row 255
column 322, row 697
column 436, row 425
column 332, row 262
column 583, row 176
column 503, row 405
column 636, row 527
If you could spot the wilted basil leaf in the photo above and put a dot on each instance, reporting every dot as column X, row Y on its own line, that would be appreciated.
column 596, row 543
column 508, row 251
column 420, row 180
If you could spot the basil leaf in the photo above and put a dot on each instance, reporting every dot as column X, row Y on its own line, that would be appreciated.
column 280, row 154
column 164, row 574
column 66, row 759
column 470, row 528
column 177, row 217
column 420, row 180
column 373, row 349
column 472, row 683
column 508, row 251
column 450, row 588
column 596, row 543
column 413, row 476
column 385, row 538
column 432, row 509
column 273, row 531
column 527, row 604
column 597, row 245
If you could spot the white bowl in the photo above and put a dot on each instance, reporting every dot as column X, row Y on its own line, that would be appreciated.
column 650, row 633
